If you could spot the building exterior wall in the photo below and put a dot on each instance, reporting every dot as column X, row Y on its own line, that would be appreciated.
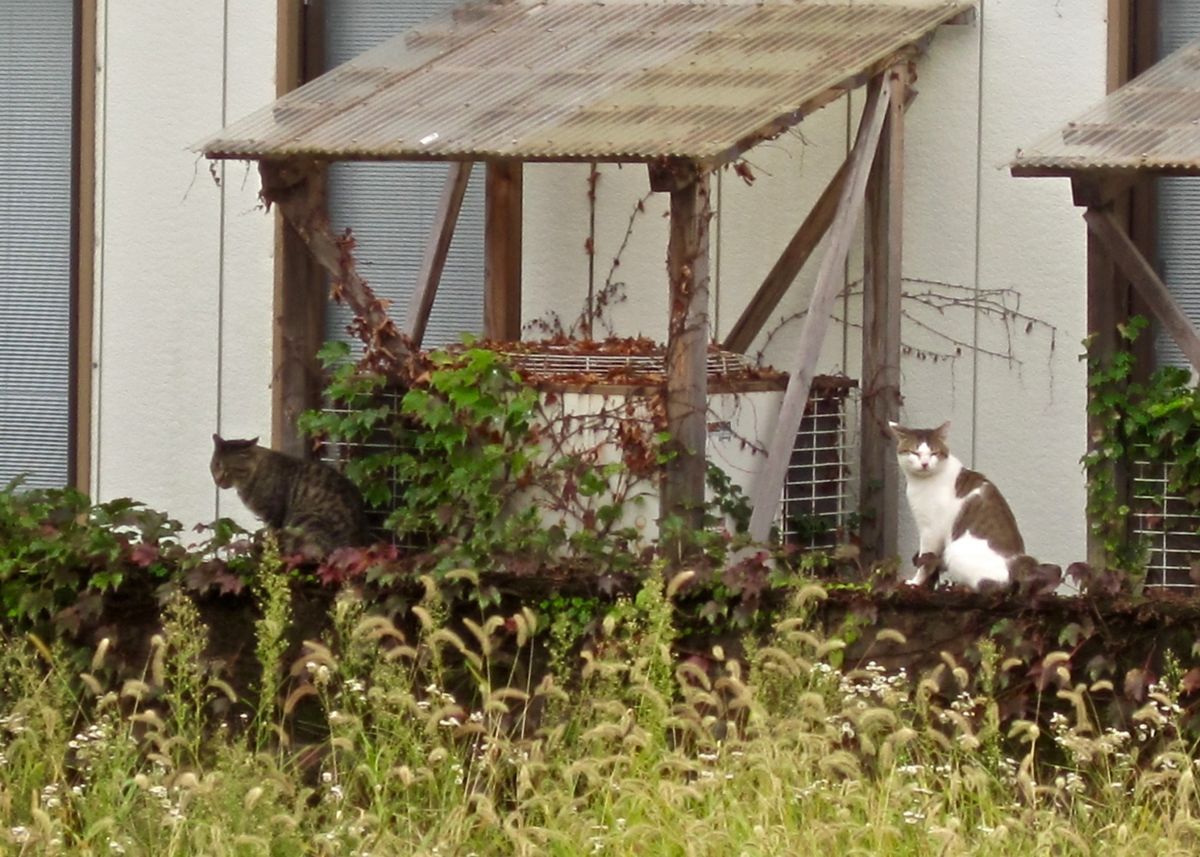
column 184, row 267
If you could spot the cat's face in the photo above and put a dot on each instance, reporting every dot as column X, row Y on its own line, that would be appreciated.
column 231, row 460
column 921, row 452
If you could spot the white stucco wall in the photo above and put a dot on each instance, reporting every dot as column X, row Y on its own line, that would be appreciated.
column 183, row 267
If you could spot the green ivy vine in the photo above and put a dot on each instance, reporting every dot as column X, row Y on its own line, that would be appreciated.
column 1157, row 420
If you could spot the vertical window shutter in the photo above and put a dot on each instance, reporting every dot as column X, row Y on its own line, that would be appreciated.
column 36, row 114
column 1178, row 198
column 390, row 206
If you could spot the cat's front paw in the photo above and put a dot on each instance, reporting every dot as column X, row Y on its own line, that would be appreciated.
column 927, row 569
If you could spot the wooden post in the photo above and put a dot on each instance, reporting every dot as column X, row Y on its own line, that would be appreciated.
column 299, row 288
column 769, row 484
column 1102, row 318
column 297, row 334
column 502, row 251
column 789, row 264
column 437, row 249
column 882, row 284
column 687, row 352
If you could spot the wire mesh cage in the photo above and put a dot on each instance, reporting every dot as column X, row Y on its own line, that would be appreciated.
column 1167, row 524
column 817, row 501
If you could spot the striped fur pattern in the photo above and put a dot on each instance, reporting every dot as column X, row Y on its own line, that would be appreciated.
column 312, row 507
column 966, row 527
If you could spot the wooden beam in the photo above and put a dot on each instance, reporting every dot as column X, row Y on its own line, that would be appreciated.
column 437, row 249
column 882, row 285
column 502, row 251
column 789, row 264
column 1100, row 188
column 769, row 484
column 687, row 354
column 1125, row 254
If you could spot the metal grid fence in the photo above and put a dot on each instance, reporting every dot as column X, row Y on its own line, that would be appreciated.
column 817, row 496
column 1167, row 524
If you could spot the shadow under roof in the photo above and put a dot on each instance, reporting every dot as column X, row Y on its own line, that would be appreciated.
column 567, row 80
column 1152, row 123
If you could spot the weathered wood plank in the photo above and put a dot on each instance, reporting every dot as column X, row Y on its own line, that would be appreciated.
column 437, row 249
column 687, row 354
column 882, row 286
column 1125, row 254
column 769, row 484
column 789, row 264
column 502, row 251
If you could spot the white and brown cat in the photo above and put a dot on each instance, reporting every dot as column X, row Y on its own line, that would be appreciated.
column 966, row 529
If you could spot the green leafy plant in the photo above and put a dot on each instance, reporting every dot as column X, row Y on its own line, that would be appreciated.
column 472, row 467
column 57, row 549
column 1156, row 420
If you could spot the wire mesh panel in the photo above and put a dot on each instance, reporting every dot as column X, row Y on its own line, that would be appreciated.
column 382, row 440
column 816, row 504
column 1167, row 524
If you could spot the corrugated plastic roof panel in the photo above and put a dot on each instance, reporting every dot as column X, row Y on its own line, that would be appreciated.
column 565, row 80
column 1150, row 123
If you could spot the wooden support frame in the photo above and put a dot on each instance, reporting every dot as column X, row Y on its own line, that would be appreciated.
column 769, row 484
column 503, row 210
column 437, row 249
column 883, row 240
column 296, row 187
column 1103, row 224
column 791, row 261
column 683, row 482
column 300, row 294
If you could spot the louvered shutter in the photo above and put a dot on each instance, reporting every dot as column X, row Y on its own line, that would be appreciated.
column 1178, row 198
column 36, row 76
column 390, row 207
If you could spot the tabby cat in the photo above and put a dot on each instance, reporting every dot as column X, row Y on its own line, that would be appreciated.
column 965, row 526
column 313, row 508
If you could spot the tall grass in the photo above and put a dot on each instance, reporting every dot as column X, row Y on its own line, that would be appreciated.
column 438, row 742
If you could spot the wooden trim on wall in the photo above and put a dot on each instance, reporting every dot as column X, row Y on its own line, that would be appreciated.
column 300, row 298
column 83, row 246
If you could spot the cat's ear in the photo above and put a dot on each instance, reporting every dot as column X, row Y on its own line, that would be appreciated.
column 217, row 439
column 943, row 430
column 894, row 428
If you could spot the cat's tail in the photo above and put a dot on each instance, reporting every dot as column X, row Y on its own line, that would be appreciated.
column 1033, row 578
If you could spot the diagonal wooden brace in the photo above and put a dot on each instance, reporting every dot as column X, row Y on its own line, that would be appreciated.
column 769, row 484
